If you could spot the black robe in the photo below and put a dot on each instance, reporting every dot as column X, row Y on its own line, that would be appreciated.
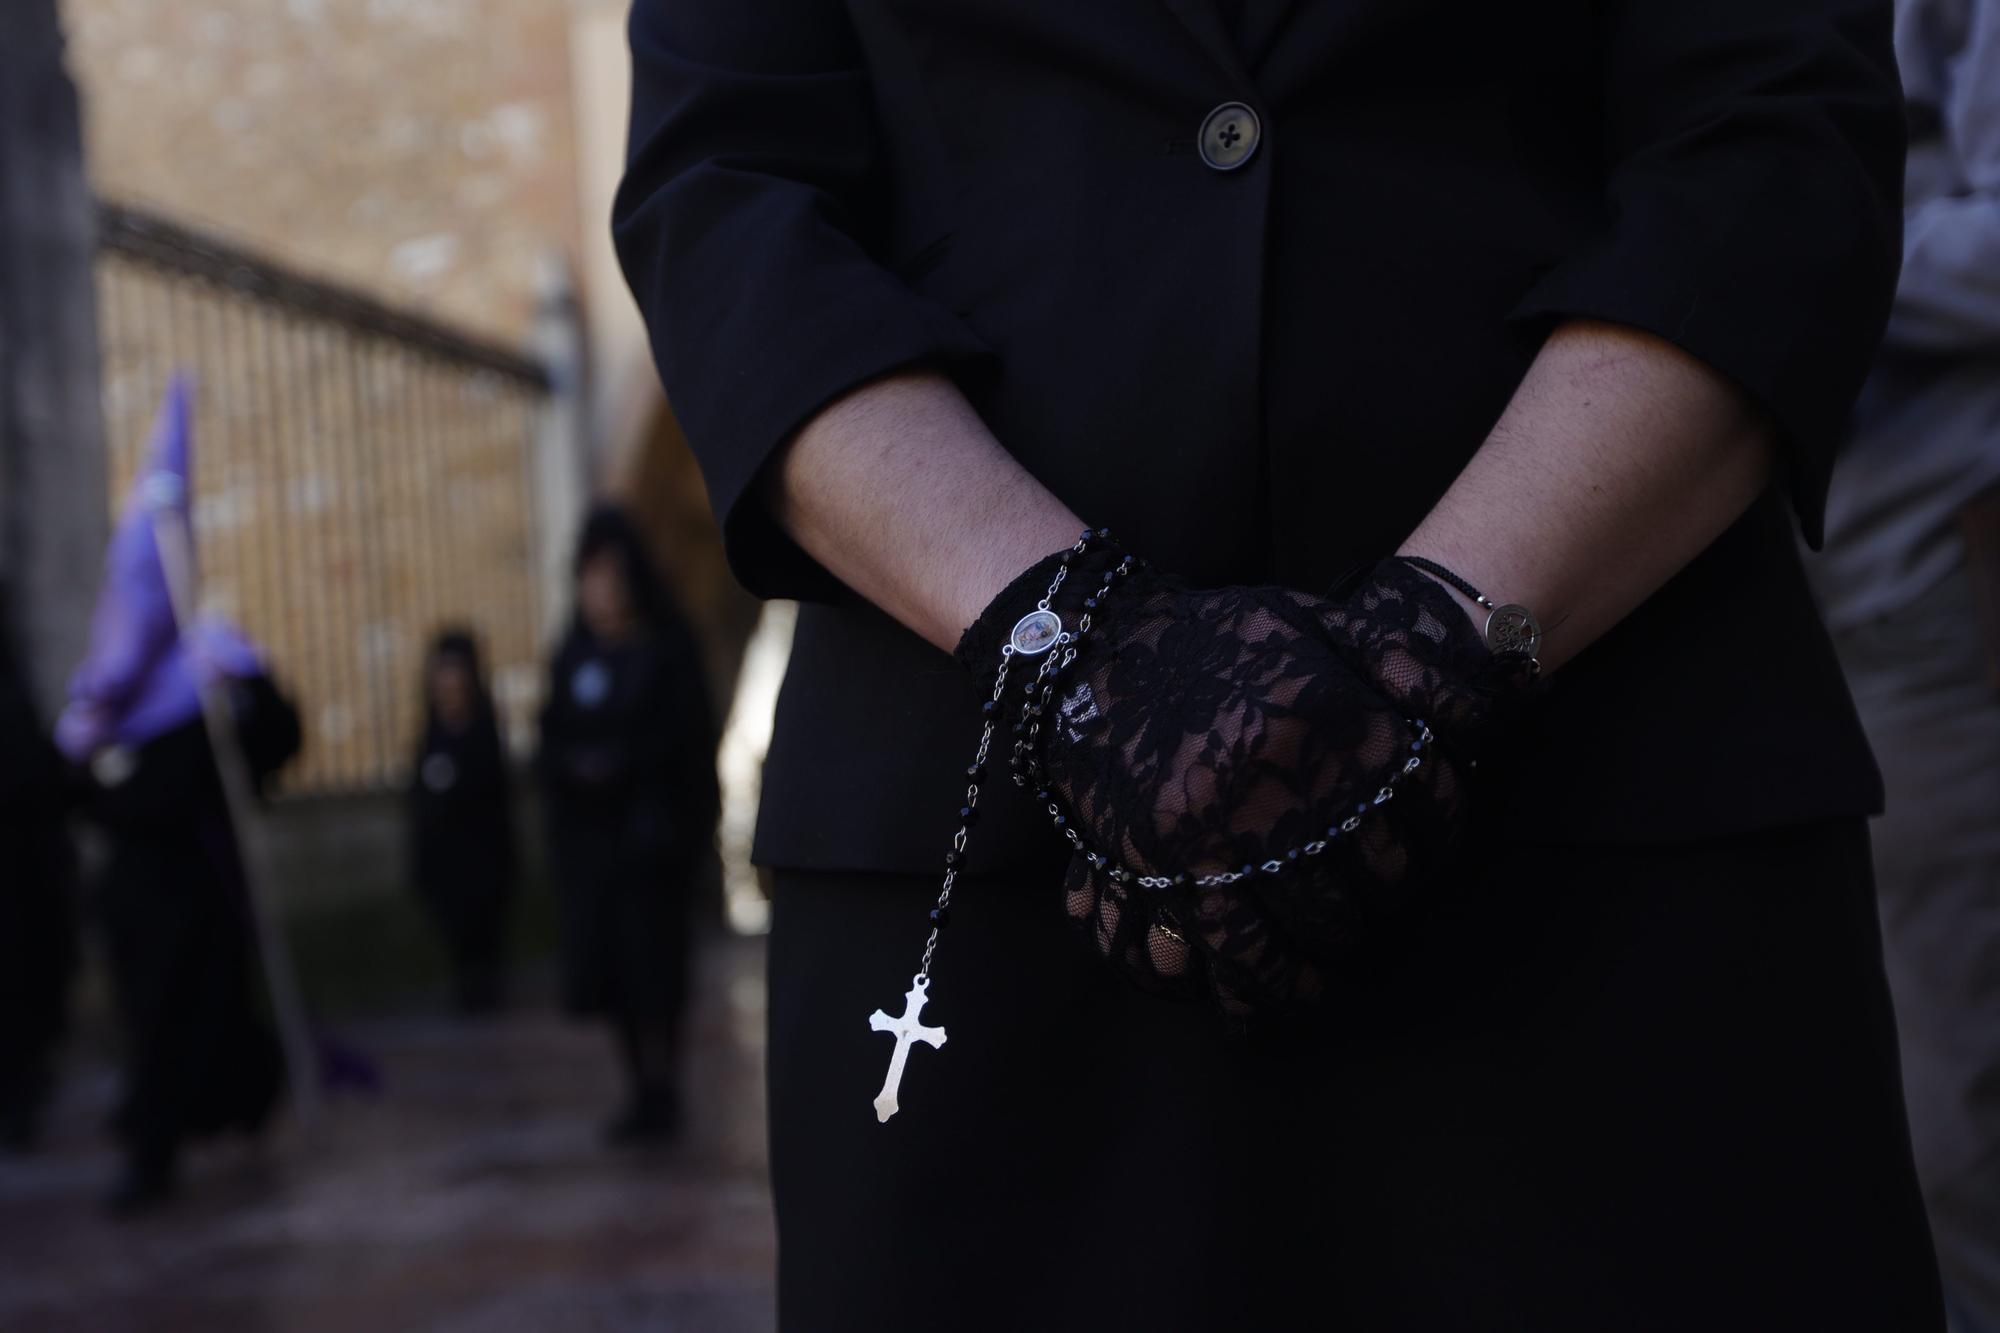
column 1250, row 287
column 627, row 771
column 200, row 1056
column 462, row 848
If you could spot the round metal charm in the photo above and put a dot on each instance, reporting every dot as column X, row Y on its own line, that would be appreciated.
column 1036, row 632
column 1513, row 629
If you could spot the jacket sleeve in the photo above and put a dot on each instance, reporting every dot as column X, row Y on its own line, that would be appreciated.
column 1754, row 210
column 748, row 225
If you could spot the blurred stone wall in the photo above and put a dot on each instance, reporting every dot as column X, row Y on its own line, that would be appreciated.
column 444, row 157
column 420, row 152
column 435, row 154
column 419, row 149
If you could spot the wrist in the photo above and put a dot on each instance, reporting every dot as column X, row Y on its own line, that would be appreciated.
column 996, row 567
column 1475, row 614
column 1430, row 654
column 898, row 490
column 1506, row 629
column 1039, row 587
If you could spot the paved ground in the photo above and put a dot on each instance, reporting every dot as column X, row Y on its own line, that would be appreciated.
column 471, row 1196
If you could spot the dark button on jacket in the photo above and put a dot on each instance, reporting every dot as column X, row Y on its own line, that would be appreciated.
column 1229, row 136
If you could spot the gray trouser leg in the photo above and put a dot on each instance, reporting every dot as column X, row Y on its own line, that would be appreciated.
column 1935, row 723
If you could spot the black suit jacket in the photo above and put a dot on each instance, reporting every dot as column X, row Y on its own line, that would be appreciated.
column 1271, row 373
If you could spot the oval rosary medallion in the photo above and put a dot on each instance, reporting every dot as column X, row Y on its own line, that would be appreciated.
column 1036, row 632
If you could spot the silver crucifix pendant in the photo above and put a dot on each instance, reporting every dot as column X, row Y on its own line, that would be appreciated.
column 906, row 1029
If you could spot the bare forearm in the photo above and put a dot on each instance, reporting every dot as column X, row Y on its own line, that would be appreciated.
column 1618, row 461
column 902, row 493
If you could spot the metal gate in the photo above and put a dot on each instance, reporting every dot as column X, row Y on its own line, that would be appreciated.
column 362, row 479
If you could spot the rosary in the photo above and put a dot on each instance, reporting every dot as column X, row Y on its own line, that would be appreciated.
column 1034, row 635
column 1042, row 634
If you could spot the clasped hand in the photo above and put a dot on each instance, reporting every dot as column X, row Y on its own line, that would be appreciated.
column 1252, row 774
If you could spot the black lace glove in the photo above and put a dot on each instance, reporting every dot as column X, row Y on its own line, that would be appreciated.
column 1250, row 772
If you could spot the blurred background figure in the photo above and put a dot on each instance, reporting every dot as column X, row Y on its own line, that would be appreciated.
column 373, row 233
column 200, row 1058
column 38, row 953
column 172, row 897
column 1910, row 583
column 627, row 767
column 462, row 846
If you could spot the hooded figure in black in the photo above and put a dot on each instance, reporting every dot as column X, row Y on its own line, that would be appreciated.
column 627, row 769
column 37, row 918
column 461, row 822
column 201, row 1058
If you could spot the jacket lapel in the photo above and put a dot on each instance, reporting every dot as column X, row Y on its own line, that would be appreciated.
column 1263, row 20
column 1201, row 19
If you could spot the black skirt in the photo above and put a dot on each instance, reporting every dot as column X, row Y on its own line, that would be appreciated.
column 1604, row 1088
column 625, row 934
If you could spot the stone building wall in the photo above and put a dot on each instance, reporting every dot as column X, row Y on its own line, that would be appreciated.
column 420, row 149
column 354, row 492
column 419, row 152
column 436, row 155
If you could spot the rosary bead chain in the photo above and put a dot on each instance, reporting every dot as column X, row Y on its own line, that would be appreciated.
column 975, row 772
column 1041, row 690
column 1027, row 772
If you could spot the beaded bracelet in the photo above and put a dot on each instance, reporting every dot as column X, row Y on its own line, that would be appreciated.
column 1037, row 633
column 1510, row 627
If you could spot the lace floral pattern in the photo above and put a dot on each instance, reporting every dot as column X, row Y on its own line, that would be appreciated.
column 1200, row 732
